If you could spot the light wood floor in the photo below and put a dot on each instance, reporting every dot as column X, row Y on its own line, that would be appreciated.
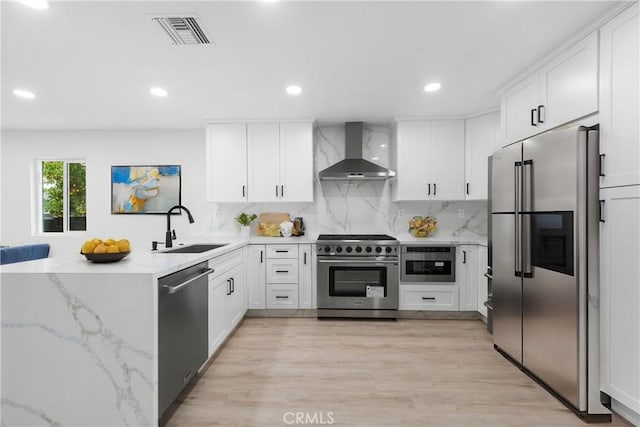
column 366, row 373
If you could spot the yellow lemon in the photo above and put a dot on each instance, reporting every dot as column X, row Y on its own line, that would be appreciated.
column 88, row 247
column 100, row 249
column 124, row 245
column 113, row 249
column 110, row 242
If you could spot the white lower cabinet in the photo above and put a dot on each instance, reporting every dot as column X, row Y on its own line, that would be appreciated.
column 226, row 299
column 467, row 276
column 256, row 270
column 436, row 297
column 281, row 276
column 282, row 296
column 620, row 295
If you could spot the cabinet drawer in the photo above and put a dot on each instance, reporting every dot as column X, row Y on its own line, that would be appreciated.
column 282, row 251
column 429, row 297
column 282, row 271
column 223, row 263
column 282, row 296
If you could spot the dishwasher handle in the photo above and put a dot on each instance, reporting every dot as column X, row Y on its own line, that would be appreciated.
column 174, row 289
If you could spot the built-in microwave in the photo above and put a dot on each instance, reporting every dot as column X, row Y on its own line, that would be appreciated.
column 428, row 263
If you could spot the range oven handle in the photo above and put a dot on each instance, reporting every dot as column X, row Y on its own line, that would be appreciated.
column 355, row 261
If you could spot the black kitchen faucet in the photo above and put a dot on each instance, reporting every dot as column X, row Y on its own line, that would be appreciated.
column 171, row 234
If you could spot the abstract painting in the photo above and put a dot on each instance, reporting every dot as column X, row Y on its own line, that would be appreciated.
column 144, row 189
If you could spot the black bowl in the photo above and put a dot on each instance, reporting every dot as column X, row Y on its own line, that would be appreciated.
column 107, row 257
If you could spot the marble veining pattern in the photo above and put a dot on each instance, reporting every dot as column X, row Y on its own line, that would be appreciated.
column 357, row 206
column 127, row 368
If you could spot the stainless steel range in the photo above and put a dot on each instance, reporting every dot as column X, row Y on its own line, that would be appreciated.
column 357, row 275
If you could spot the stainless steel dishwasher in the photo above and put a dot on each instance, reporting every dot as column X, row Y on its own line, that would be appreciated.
column 183, row 299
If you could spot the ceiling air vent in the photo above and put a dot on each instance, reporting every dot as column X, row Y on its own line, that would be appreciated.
column 183, row 29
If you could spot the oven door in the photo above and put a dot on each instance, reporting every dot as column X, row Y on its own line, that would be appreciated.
column 360, row 283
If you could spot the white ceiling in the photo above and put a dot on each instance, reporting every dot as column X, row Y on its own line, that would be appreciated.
column 91, row 64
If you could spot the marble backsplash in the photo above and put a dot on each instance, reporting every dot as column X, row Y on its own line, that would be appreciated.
column 360, row 206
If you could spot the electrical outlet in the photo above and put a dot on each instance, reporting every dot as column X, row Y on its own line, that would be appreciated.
column 401, row 213
column 460, row 213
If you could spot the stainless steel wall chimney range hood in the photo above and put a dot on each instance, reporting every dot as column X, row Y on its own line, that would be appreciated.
column 354, row 167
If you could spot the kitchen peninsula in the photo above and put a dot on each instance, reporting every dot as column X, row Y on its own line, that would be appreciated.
column 80, row 340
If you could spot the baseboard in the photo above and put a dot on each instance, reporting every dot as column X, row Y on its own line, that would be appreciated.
column 439, row 315
column 281, row 312
column 625, row 412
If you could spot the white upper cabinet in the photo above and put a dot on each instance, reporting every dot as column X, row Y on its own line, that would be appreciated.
column 563, row 90
column 619, row 88
column 264, row 162
column 260, row 162
column 227, row 162
column 481, row 140
column 430, row 160
column 296, row 161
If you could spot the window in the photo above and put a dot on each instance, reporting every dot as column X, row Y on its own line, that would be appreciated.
column 63, row 198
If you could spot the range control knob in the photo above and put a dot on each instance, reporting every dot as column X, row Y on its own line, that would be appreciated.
column 388, row 250
column 327, row 248
column 378, row 249
column 349, row 249
column 358, row 249
column 368, row 249
column 339, row 249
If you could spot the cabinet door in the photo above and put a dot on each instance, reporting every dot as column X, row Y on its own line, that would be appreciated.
column 619, row 103
column 467, row 277
column 516, row 107
column 296, row 162
column 569, row 84
column 218, row 326
column 413, row 154
column 264, row 162
column 305, row 291
column 256, row 269
column 233, row 305
column 481, row 135
column 227, row 163
column 482, row 280
column 619, row 295
column 447, row 160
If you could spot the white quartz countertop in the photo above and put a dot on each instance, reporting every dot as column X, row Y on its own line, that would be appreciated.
column 408, row 239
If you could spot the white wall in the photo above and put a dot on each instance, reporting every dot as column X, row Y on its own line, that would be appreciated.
column 100, row 149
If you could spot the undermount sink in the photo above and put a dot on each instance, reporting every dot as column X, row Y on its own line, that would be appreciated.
column 193, row 249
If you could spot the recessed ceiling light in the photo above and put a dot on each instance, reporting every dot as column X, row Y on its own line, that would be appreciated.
column 383, row 145
column 36, row 4
column 21, row 93
column 294, row 90
column 432, row 87
column 158, row 91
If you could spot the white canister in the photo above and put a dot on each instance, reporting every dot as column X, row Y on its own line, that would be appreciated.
column 286, row 228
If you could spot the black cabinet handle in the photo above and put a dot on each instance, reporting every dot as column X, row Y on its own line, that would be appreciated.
column 282, row 191
column 282, row 271
column 244, row 191
column 533, row 113
column 233, row 285
column 261, row 255
column 429, row 191
column 282, row 251
column 282, row 296
column 464, row 257
column 540, row 112
column 467, row 188
column 601, row 166
column 600, row 213
column 276, row 191
column 305, row 259
column 228, row 287
column 434, row 188
column 429, row 298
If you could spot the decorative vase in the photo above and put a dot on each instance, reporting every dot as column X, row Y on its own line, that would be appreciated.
column 245, row 231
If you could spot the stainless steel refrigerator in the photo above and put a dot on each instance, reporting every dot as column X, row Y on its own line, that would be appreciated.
column 545, row 258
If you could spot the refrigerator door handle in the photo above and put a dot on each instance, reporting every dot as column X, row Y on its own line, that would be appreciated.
column 527, row 186
column 518, row 219
column 525, row 224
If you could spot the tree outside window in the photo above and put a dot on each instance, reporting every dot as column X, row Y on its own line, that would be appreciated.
column 64, row 201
